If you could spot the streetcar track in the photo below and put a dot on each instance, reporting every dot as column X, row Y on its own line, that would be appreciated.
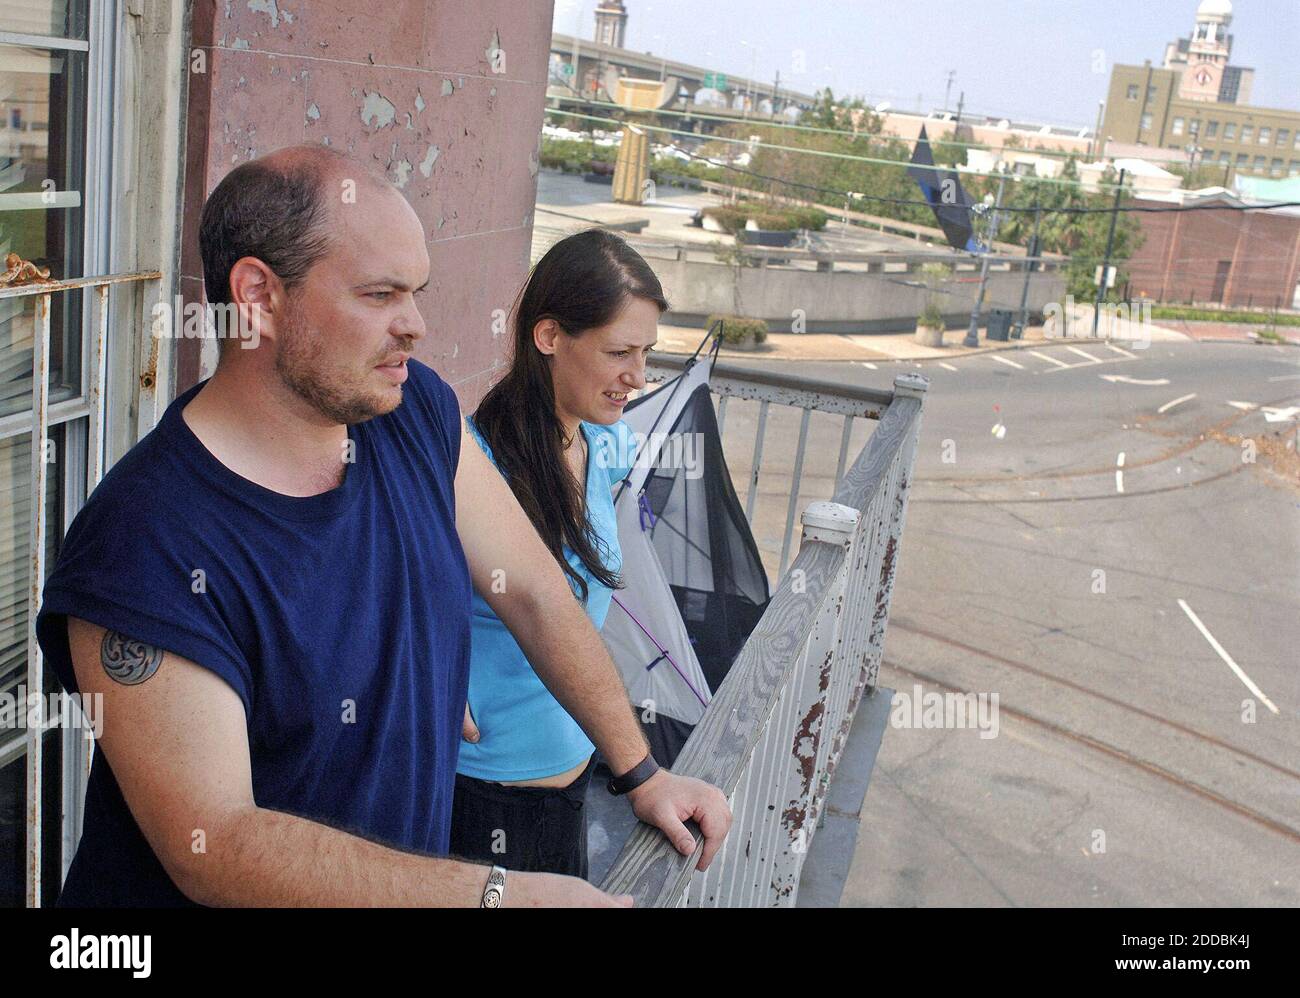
column 1123, row 756
column 1131, row 494
column 1106, row 698
column 1189, row 444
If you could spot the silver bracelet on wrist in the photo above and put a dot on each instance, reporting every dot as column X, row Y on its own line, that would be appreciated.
column 494, row 892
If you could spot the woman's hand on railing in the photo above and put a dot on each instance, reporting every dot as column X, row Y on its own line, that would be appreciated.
column 666, row 800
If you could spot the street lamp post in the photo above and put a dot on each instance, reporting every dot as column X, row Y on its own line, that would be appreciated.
column 749, row 84
column 663, row 59
column 1094, row 147
column 972, row 334
column 1032, row 250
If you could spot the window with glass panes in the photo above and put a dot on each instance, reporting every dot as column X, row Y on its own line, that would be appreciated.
column 48, row 57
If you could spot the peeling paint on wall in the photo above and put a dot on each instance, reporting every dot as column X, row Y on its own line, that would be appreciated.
column 239, row 43
column 447, row 88
column 430, row 157
column 401, row 173
column 377, row 110
column 419, row 101
column 266, row 7
column 313, row 112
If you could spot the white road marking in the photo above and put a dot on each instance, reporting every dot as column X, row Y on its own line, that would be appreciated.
column 1274, row 415
column 1048, row 357
column 1244, row 405
column 1119, row 472
column 1004, row 360
column 1112, row 346
column 1125, row 379
column 1092, row 363
column 1087, row 356
column 946, row 366
column 1285, row 377
column 1250, row 685
column 1178, row 401
column 869, row 366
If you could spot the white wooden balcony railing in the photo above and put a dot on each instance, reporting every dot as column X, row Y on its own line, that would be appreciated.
column 777, row 726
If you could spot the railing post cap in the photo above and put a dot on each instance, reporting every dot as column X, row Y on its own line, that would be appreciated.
column 911, row 384
column 832, row 522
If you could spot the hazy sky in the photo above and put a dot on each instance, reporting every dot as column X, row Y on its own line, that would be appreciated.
column 1028, row 59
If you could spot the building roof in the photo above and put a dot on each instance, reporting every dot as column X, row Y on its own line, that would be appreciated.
column 1214, row 8
column 1269, row 189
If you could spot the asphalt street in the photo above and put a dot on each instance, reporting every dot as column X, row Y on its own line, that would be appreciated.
column 1108, row 539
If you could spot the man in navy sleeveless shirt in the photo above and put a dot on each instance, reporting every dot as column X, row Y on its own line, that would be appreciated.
column 271, row 591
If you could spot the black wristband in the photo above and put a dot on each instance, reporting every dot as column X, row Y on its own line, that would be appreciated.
column 634, row 777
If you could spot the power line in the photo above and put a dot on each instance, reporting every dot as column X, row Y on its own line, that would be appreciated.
column 865, row 136
column 852, row 195
column 810, row 152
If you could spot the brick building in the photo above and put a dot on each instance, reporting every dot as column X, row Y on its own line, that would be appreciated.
column 1224, row 257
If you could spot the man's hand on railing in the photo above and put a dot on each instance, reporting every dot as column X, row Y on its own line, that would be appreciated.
column 666, row 800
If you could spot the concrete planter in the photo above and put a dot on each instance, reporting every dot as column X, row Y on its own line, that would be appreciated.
column 749, row 344
column 929, row 336
column 711, row 224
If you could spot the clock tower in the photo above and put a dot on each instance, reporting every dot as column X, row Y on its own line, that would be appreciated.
column 1207, row 52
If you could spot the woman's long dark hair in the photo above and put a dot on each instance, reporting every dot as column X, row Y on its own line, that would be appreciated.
column 583, row 282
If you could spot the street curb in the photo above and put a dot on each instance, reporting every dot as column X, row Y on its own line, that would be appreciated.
column 1018, row 345
column 1253, row 343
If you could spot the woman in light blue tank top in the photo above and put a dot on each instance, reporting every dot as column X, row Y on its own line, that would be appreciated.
column 583, row 326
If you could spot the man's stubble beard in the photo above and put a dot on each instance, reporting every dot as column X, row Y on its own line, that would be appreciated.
column 299, row 365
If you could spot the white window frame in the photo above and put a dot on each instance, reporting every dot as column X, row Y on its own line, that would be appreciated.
column 100, row 45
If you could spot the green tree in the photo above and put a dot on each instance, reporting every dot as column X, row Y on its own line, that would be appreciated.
column 1081, row 236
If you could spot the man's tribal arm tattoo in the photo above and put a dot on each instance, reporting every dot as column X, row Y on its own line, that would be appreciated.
column 127, row 661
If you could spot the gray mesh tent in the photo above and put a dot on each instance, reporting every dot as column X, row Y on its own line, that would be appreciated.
column 694, row 585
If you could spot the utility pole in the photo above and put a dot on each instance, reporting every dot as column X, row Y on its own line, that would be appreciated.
column 961, row 100
column 947, row 92
column 972, row 334
column 1032, row 250
column 776, row 89
column 1105, row 265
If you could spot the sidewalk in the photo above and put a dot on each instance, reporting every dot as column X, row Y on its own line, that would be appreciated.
column 863, row 346
column 1217, row 332
column 903, row 346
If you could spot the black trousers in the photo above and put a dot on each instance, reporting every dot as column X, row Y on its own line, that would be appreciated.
column 535, row 829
